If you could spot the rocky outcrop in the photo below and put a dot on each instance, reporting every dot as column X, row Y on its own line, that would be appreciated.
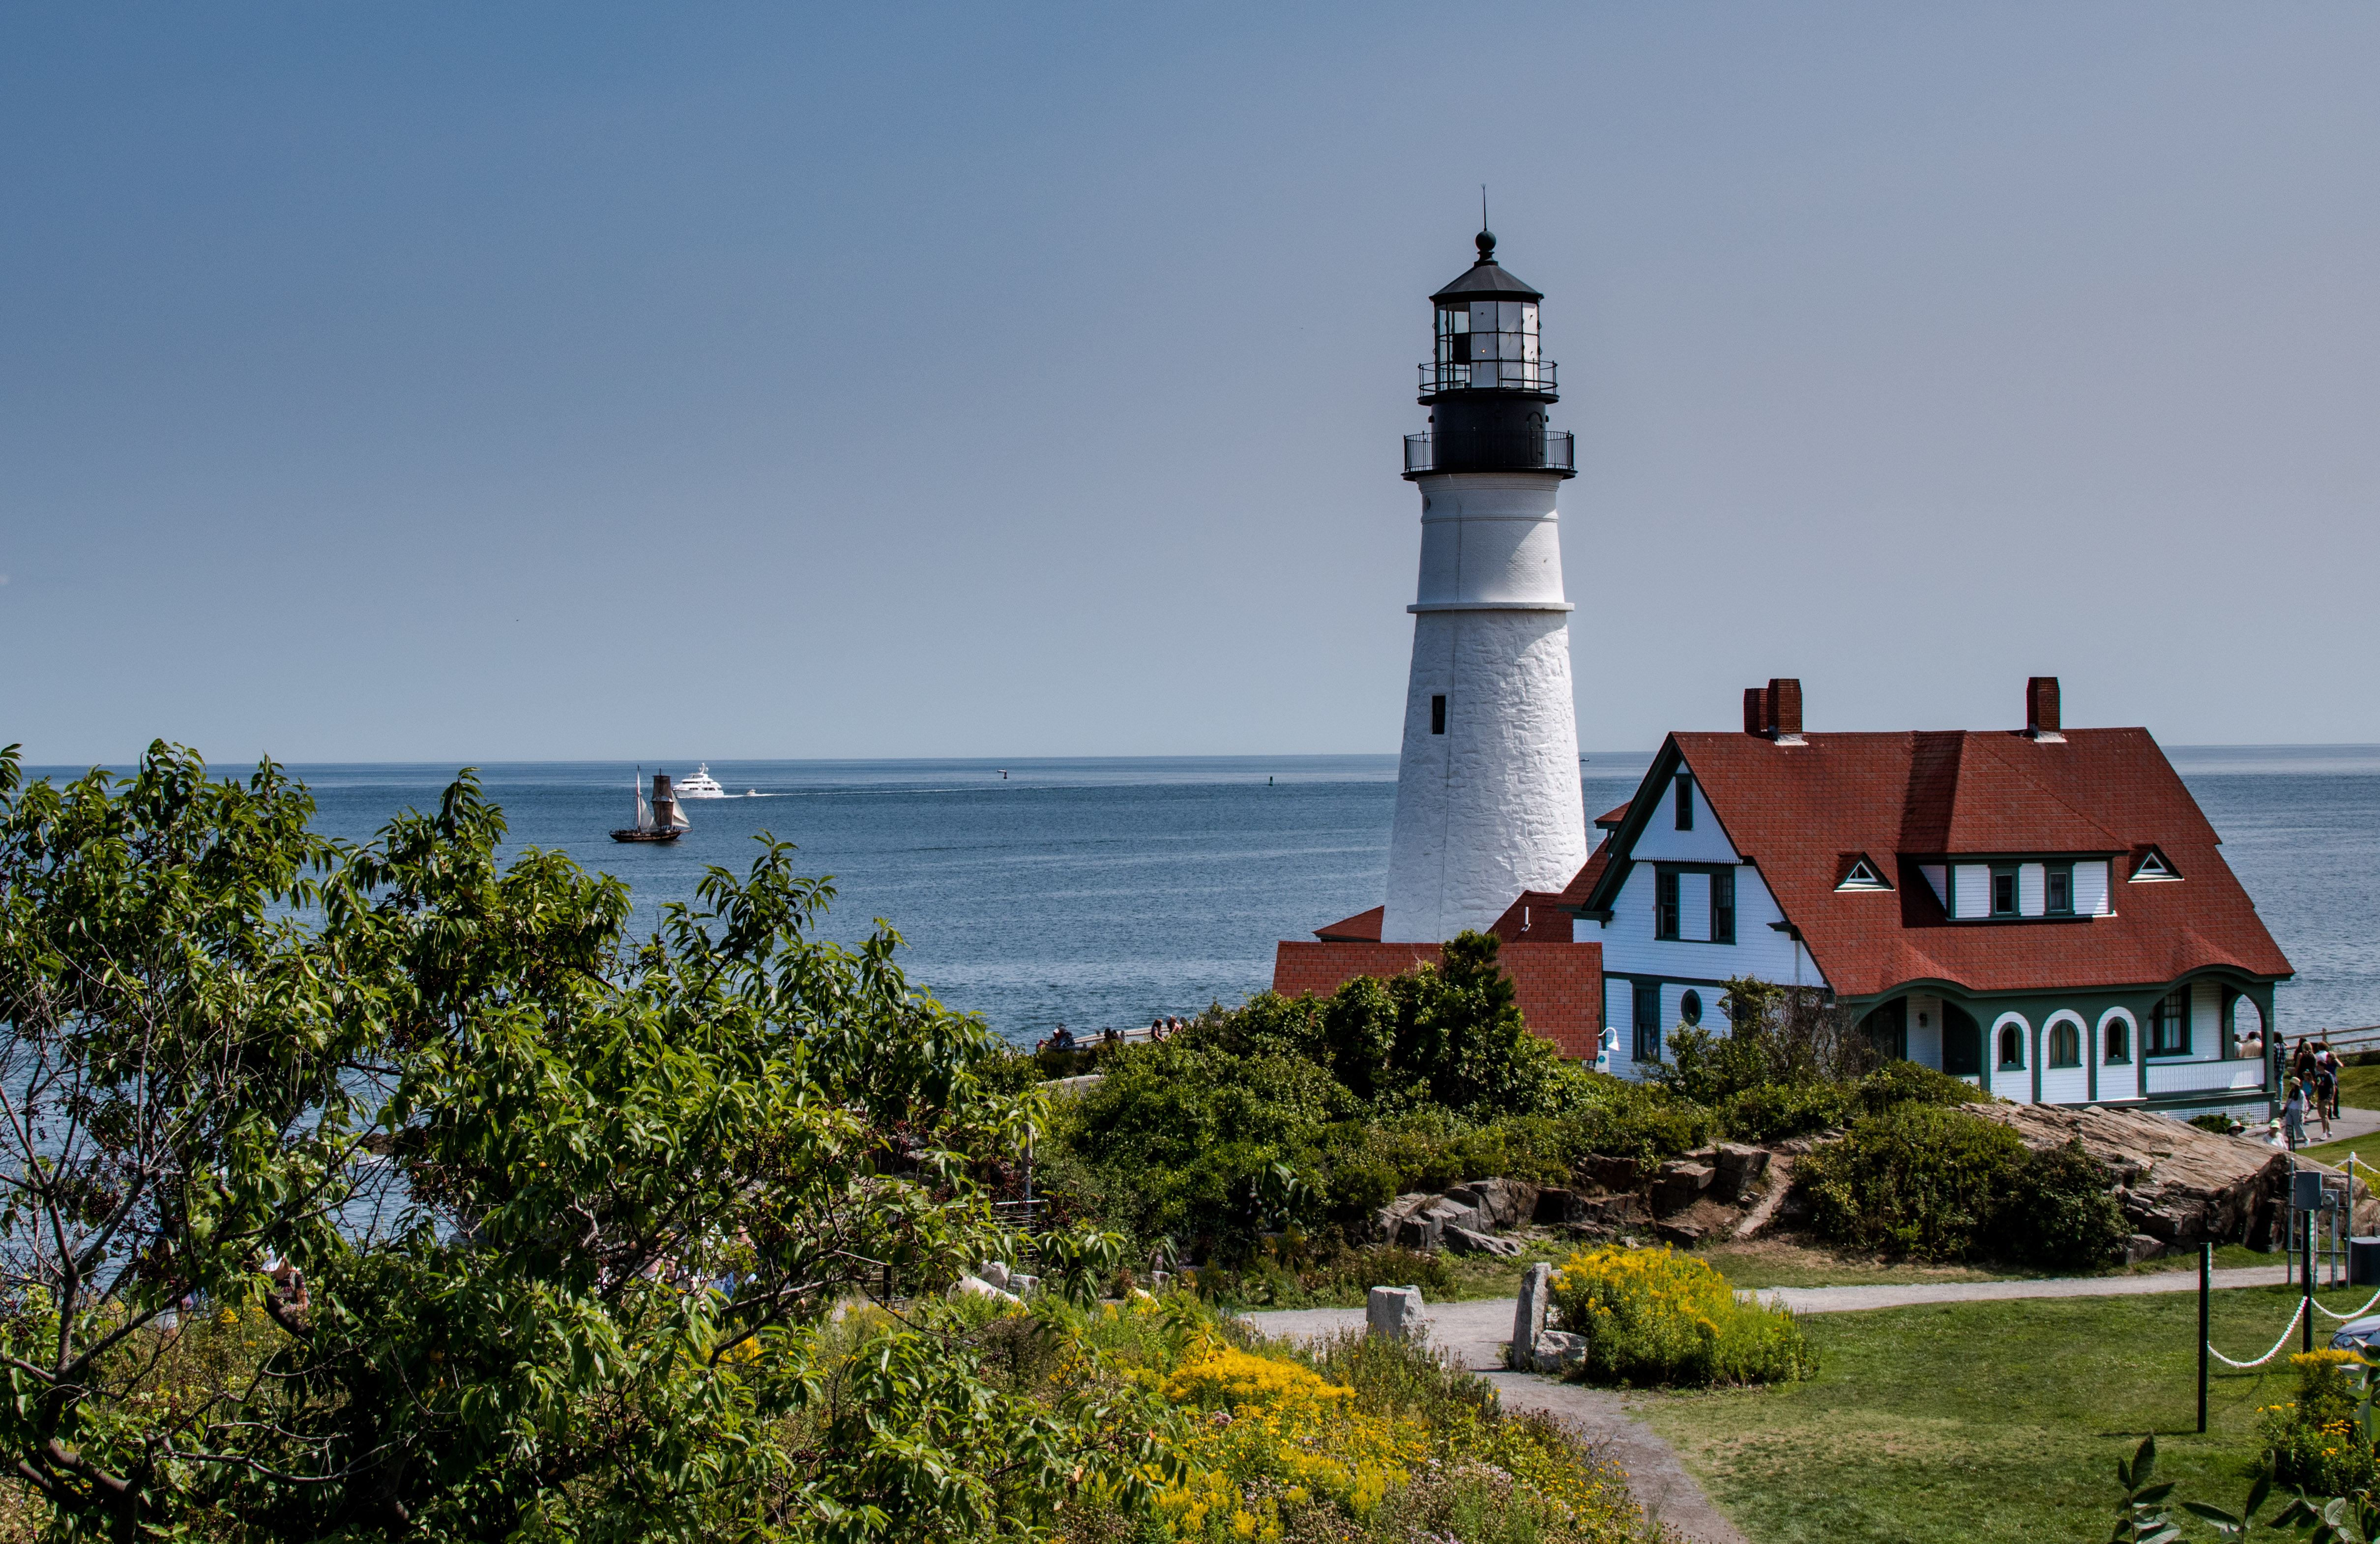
column 2178, row 1184
column 1465, row 1219
column 1678, row 1185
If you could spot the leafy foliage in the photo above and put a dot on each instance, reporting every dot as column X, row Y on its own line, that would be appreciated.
column 1447, row 1036
column 1918, row 1180
column 1941, row 1183
column 569, row 1211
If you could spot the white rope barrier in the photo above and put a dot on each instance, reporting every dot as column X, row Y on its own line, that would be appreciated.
column 2356, row 1313
column 2269, row 1354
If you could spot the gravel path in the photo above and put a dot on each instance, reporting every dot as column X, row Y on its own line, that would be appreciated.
column 1476, row 1333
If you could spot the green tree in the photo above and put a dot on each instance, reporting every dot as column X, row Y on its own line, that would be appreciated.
column 1448, row 1034
column 571, row 1213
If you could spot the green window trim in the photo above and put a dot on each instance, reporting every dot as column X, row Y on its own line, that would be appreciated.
column 2169, row 1025
column 2058, row 888
column 2065, row 1044
column 1684, row 814
column 2009, row 1039
column 1722, row 906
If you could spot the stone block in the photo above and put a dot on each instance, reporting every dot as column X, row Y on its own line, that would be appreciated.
column 1555, row 1350
column 1554, row 1205
column 2141, row 1246
column 976, row 1286
column 1529, row 1309
column 1393, row 1312
column 1685, row 1235
column 994, row 1272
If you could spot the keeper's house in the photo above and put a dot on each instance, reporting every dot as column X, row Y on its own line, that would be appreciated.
column 2043, row 912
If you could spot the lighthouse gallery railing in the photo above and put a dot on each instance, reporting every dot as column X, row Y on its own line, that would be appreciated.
column 1491, row 450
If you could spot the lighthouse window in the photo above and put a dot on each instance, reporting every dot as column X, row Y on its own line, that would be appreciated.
column 1437, row 715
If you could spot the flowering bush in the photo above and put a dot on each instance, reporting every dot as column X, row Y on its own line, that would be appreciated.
column 1351, row 1437
column 2316, row 1441
column 1655, row 1316
column 1268, row 1419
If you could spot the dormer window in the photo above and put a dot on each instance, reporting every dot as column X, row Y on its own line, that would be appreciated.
column 1684, row 814
column 2059, row 881
column 1860, row 872
column 2152, row 865
column 2004, row 891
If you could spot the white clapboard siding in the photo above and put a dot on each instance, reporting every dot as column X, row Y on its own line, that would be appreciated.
column 2068, row 1085
column 2090, row 888
column 2013, row 1084
column 1925, row 1031
column 2119, row 1080
column 1662, row 841
column 2031, row 889
column 1630, row 948
column 1971, row 890
column 2205, row 1022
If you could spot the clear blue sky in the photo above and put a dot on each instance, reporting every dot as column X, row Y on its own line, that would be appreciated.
column 473, row 382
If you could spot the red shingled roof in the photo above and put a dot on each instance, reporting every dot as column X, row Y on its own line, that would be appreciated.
column 1796, row 809
column 1362, row 928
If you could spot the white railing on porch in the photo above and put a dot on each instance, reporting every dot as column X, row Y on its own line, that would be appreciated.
column 2202, row 1077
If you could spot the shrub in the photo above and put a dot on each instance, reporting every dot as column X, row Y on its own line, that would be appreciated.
column 1774, row 1112
column 1448, row 1034
column 2218, row 1122
column 2314, row 1441
column 2058, row 1211
column 1180, row 1140
column 1645, row 1124
column 1921, row 1179
column 1655, row 1316
column 1898, row 1083
column 1946, row 1184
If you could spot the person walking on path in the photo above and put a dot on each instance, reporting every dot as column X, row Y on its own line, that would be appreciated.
column 2326, row 1083
column 2293, row 1115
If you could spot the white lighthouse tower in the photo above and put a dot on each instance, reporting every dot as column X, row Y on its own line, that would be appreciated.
column 1489, row 801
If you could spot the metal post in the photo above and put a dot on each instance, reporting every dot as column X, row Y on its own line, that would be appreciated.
column 2206, row 1292
column 2309, row 1282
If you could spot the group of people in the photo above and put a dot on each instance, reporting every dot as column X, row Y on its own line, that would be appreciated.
column 2312, row 1084
column 1063, row 1039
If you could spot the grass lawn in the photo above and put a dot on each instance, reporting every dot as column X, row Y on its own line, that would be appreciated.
column 2359, row 1087
column 1985, row 1421
column 2334, row 1153
column 1792, row 1263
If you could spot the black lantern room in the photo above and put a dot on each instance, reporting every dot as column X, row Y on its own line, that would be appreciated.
column 1486, row 384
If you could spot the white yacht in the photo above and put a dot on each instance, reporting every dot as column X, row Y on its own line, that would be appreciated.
column 702, row 786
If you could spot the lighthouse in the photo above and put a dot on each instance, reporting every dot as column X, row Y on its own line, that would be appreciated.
column 1488, row 803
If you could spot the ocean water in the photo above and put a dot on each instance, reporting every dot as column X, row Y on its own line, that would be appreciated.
column 1106, row 891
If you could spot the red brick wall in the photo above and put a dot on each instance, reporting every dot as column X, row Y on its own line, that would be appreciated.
column 1558, row 986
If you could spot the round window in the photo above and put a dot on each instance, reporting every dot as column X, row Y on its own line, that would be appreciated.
column 1690, row 1007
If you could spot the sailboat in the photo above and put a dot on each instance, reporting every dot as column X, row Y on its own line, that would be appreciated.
column 662, row 821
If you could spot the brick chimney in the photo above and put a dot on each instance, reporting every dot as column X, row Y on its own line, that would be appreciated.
column 2041, row 720
column 1785, row 710
column 1773, row 712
